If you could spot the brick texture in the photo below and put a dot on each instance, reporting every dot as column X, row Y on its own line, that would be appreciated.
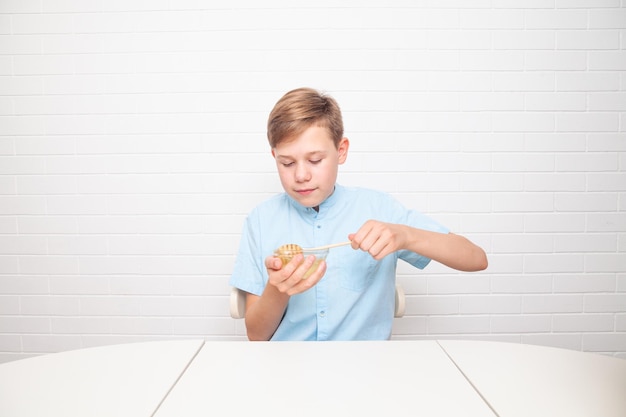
column 132, row 145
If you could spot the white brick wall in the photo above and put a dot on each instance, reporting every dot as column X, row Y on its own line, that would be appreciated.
column 132, row 144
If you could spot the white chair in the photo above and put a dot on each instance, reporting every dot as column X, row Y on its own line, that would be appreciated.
column 238, row 303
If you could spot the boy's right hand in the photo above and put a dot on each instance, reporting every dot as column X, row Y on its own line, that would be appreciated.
column 290, row 279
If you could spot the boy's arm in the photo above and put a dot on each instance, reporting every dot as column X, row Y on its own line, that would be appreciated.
column 452, row 250
column 264, row 313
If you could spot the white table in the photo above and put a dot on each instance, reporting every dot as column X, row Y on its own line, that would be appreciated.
column 392, row 378
column 525, row 380
column 121, row 380
column 386, row 378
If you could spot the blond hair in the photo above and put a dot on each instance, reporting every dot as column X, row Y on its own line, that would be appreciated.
column 300, row 109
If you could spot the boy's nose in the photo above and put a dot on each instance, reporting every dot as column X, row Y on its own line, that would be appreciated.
column 302, row 174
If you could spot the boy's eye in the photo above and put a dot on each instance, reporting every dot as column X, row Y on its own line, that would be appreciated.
column 316, row 161
column 287, row 164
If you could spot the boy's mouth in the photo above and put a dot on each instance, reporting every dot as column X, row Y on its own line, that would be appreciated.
column 305, row 192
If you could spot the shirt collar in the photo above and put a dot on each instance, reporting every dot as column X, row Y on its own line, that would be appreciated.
column 325, row 206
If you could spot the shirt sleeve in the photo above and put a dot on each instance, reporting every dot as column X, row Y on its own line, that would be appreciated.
column 417, row 220
column 249, row 272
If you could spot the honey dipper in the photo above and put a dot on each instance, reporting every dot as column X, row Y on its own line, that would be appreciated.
column 288, row 251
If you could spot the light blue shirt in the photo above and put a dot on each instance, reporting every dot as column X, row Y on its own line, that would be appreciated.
column 355, row 299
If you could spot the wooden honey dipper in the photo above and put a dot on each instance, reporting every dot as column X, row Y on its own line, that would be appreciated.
column 288, row 251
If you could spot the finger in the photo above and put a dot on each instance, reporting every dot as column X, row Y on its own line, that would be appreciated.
column 353, row 242
column 310, row 281
column 274, row 263
column 280, row 277
column 367, row 235
column 292, row 266
column 378, row 244
column 303, row 270
column 379, row 254
column 370, row 240
column 294, row 273
column 356, row 239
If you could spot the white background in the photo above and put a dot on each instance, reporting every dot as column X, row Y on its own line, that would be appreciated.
column 132, row 145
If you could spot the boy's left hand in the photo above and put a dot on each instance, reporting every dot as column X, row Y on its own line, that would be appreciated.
column 379, row 239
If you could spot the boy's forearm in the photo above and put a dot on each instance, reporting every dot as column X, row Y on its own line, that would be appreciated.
column 264, row 313
column 452, row 250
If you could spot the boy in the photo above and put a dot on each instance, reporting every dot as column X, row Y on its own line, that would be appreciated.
column 350, row 296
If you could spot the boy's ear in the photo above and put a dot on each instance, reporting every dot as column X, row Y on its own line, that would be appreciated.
column 273, row 153
column 344, row 144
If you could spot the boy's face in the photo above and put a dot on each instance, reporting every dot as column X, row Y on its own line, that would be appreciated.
column 308, row 164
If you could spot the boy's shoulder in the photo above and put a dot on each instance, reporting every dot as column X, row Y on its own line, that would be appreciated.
column 277, row 204
column 275, row 200
column 363, row 190
column 367, row 193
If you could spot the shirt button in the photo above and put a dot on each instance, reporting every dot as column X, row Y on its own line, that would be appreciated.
column 322, row 313
column 319, row 226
